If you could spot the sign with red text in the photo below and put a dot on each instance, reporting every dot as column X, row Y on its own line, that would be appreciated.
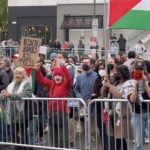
column 93, row 41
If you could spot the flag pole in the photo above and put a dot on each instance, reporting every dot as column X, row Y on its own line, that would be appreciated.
column 105, row 33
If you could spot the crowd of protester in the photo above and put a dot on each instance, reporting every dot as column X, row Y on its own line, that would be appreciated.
column 63, row 78
column 88, row 81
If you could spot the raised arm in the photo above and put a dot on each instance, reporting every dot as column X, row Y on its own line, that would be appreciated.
column 68, row 78
column 46, row 82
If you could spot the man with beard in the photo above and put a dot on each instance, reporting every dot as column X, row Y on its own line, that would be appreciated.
column 123, row 58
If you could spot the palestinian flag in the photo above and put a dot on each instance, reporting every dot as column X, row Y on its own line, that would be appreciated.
column 32, row 75
column 129, row 14
column 3, row 113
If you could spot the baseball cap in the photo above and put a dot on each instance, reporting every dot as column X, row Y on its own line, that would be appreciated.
column 15, row 56
column 139, row 65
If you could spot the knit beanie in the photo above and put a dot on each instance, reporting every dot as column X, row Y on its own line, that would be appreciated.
column 53, row 55
column 58, row 71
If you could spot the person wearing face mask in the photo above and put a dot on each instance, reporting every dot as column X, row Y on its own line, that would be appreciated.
column 112, row 77
column 136, row 92
column 112, row 64
column 121, row 117
column 101, row 72
column 85, row 84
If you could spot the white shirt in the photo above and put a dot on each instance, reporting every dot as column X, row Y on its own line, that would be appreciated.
column 140, row 48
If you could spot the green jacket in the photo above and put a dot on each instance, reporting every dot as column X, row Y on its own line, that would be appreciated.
column 15, row 116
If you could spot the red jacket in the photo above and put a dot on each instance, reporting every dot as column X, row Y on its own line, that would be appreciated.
column 61, row 90
column 65, row 47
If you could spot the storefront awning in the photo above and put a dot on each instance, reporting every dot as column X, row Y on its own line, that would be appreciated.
column 80, row 22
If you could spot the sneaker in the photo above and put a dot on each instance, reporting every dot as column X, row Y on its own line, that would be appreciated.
column 147, row 141
column 39, row 141
column 133, row 141
column 46, row 129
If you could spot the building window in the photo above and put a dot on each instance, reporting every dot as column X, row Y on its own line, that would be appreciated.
column 42, row 32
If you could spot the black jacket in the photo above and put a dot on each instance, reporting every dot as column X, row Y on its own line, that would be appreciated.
column 4, row 80
column 57, row 46
column 122, row 43
column 39, row 88
column 97, row 87
column 10, row 74
column 51, row 44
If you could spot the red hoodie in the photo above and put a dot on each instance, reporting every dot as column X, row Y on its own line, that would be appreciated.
column 61, row 90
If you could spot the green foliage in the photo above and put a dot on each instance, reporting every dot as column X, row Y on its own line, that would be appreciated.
column 3, row 13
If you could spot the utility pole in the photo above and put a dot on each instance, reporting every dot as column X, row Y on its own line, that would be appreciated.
column 94, row 9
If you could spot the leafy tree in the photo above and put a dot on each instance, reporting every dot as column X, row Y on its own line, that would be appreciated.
column 3, row 16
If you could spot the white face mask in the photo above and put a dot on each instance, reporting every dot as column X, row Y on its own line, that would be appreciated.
column 102, row 73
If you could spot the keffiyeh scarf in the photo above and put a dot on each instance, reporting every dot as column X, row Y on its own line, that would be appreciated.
column 129, row 87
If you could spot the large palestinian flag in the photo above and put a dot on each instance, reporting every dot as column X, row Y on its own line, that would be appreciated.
column 129, row 14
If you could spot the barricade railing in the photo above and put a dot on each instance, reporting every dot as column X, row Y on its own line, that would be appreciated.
column 76, row 53
column 120, row 125
column 23, row 121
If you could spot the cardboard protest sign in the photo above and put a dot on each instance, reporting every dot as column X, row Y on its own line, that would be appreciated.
column 29, row 51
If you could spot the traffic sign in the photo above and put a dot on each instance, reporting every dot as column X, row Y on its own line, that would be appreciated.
column 95, row 24
column 93, row 41
column 95, row 33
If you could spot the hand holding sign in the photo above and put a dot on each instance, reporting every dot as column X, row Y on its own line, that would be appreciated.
column 29, row 51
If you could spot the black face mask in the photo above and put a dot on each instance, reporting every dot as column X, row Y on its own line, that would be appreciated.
column 110, row 66
column 85, row 67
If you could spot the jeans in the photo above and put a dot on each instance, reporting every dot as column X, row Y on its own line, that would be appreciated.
column 138, row 123
column 31, row 132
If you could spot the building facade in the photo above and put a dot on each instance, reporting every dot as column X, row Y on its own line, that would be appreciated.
column 66, row 20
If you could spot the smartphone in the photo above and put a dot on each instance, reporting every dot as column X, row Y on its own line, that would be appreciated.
column 60, row 61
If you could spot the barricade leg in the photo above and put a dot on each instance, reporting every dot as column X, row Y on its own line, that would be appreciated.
column 54, row 136
column 19, row 134
column 65, row 132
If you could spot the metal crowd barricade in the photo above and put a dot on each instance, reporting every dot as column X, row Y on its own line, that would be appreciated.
column 20, row 126
column 9, row 51
column 119, row 126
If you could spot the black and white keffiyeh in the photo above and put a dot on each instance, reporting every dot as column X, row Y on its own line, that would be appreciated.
column 129, row 87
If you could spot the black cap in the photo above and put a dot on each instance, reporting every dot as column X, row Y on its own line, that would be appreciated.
column 139, row 65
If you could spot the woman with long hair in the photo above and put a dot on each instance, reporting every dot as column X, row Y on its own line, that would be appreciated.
column 118, row 128
column 136, row 92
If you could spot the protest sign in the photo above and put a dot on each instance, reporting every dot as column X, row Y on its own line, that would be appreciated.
column 43, row 50
column 29, row 51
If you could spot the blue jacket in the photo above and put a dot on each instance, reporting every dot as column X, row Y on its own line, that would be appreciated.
column 85, row 84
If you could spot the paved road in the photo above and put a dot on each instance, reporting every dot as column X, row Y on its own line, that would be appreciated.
column 78, row 144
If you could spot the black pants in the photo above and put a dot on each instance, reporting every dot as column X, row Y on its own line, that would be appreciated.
column 123, row 50
column 19, row 134
column 103, row 135
column 121, row 144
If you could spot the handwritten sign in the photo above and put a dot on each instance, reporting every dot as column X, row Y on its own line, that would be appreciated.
column 29, row 51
